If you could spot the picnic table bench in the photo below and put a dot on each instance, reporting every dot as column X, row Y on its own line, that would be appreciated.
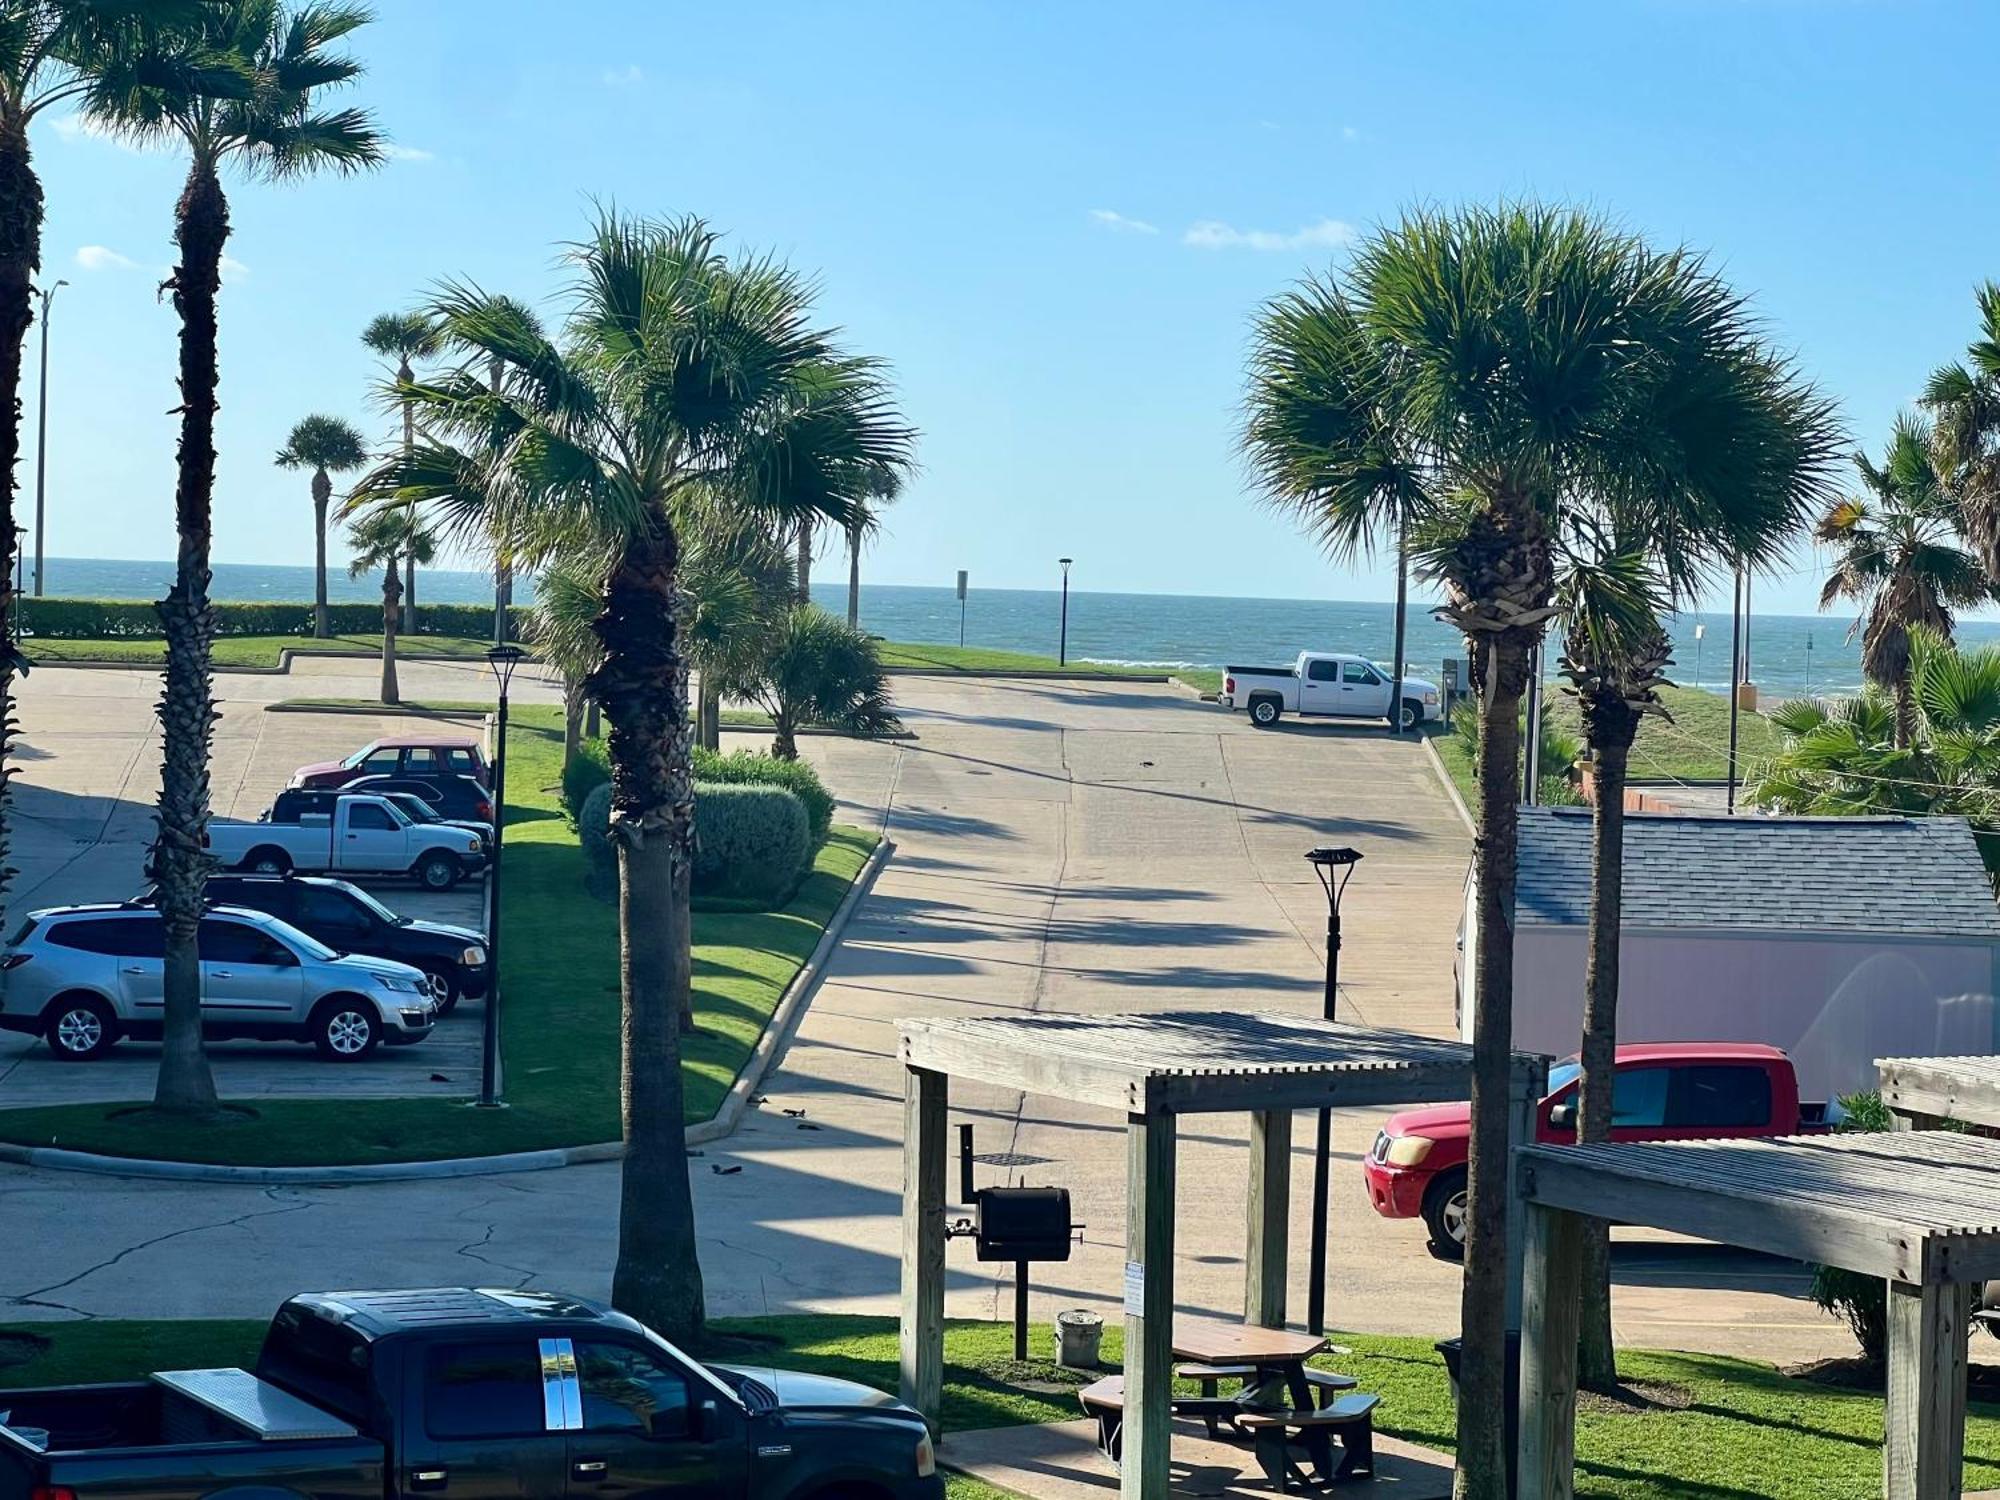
column 1335, row 1413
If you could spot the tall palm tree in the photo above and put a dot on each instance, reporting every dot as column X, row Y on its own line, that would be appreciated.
column 1482, row 373
column 679, row 371
column 1964, row 400
column 239, row 85
column 385, row 536
column 1899, row 556
column 884, row 491
column 403, row 337
column 327, row 446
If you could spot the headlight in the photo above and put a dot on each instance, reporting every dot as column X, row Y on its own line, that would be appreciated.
column 399, row 984
column 472, row 958
column 472, row 844
column 926, row 1457
column 1430, row 697
column 1408, row 1150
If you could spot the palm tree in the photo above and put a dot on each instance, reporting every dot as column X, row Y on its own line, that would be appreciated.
column 383, row 536
column 1964, row 400
column 1480, row 374
column 680, row 372
column 884, row 491
column 238, row 85
column 403, row 337
column 327, row 446
column 1900, row 558
column 817, row 670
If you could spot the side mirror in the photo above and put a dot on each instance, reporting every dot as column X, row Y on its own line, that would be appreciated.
column 703, row 1420
column 1562, row 1117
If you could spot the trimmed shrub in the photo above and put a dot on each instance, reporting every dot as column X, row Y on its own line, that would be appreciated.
column 593, row 828
column 583, row 773
column 749, row 841
column 137, row 619
column 748, row 768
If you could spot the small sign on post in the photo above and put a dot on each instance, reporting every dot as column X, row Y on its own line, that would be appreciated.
column 1448, row 680
column 961, row 607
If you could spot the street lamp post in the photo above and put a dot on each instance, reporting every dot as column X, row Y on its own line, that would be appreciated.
column 48, row 295
column 503, row 660
column 1062, row 647
column 1325, row 863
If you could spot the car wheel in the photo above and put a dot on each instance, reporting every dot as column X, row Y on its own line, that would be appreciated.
column 80, row 1028
column 345, row 1029
column 1444, row 1214
column 438, row 872
column 443, row 987
column 1413, row 713
column 268, row 862
column 1264, row 712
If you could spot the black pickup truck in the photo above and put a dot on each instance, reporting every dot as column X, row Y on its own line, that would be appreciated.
column 474, row 1395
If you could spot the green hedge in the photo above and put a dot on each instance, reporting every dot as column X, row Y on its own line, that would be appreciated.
column 136, row 619
column 590, row 768
column 750, row 841
column 583, row 773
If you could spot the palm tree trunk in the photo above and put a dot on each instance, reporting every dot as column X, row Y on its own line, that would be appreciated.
column 643, row 684
column 392, row 593
column 854, row 577
column 572, row 719
column 1906, row 710
column 711, row 712
column 20, row 258
column 1501, row 675
column 404, row 375
column 784, row 743
column 805, row 559
column 1597, row 1367
column 503, row 600
column 410, row 593
column 593, row 722
column 187, row 706
column 322, row 492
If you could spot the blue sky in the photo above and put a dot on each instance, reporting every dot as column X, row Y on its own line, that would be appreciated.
column 1055, row 222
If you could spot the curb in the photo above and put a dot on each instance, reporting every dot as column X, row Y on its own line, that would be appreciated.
column 384, row 711
column 1450, row 787
column 770, row 1047
column 1057, row 674
column 283, row 669
column 1189, row 689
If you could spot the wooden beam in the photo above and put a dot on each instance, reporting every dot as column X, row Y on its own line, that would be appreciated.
column 1270, row 1218
column 1336, row 1088
column 1929, row 1089
column 921, row 1366
column 1080, row 1078
column 1923, row 1421
column 1553, row 1261
column 1524, row 1095
column 1149, row 1306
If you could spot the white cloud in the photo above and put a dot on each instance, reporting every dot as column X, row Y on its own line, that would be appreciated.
column 1350, row 133
column 1110, row 218
column 1213, row 234
column 625, row 77
column 103, row 258
column 397, row 152
column 77, row 128
column 234, row 269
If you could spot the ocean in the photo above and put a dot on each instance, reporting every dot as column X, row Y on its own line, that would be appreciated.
column 1790, row 655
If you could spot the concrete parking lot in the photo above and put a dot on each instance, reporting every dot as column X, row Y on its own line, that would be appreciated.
column 1059, row 846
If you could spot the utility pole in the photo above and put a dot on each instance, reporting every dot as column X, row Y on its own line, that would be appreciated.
column 48, row 295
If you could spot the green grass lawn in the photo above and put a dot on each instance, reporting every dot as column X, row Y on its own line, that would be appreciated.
column 1725, row 1429
column 559, row 1025
column 916, row 657
column 249, row 650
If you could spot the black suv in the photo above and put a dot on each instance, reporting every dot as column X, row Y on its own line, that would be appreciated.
column 353, row 921
column 459, row 799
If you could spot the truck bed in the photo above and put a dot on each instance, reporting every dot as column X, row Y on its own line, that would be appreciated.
column 1285, row 671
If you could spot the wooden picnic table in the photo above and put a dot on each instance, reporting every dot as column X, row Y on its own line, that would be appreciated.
column 1277, row 1354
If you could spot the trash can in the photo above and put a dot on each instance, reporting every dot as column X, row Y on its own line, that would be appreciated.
column 1451, row 1349
column 1078, row 1335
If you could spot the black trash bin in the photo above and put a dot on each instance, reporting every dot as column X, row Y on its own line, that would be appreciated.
column 1451, row 1349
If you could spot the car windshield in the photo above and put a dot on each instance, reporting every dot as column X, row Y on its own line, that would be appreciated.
column 308, row 947
column 358, row 756
column 355, row 894
column 419, row 809
column 1563, row 1074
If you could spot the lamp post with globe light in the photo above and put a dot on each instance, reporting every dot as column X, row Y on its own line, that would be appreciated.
column 503, row 660
column 1334, row 867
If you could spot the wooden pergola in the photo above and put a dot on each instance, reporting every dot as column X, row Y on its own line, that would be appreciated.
column 1924, row 1091
column 1919, row 1209
column 1152, row 1069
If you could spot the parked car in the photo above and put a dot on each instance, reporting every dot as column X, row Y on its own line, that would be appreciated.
column 1662, row 1091
column 1327, row 684
column 423, row 756
column 360, row 836
column 475, row 1394
column 349, row 920
column 460, row 798
column 83, row 977
column 294, row 803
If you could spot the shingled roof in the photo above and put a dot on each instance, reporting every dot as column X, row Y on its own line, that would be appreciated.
column 1901, row 876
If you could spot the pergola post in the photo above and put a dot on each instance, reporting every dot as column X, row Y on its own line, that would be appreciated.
column 1923, row 1423
column 1149, row 1305
column 1524, row 1108
column 1553, row 1261
column 921, row 1367
column 1269, row 1217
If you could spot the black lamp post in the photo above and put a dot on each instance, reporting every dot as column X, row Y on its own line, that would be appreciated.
column 1325, row 862
column 503, row 660
column 48, row 295
column 1062, row 647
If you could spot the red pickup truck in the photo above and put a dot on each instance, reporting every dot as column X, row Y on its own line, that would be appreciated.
column 1665, row 1091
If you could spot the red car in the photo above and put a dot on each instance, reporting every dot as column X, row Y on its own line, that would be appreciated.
column 424, row 756
column 1665, row 1091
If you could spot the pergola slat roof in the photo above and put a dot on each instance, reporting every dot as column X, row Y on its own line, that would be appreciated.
column 1189, row 1062
column 1917, row 1207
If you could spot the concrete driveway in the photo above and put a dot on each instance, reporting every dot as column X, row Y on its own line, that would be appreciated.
column 1059, row 847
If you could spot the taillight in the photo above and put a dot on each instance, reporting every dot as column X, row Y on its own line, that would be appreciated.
column 1229, row 684
column 486, row 811
column 51, row 1492
column 15, row 960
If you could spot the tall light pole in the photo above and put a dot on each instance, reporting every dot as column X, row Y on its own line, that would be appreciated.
column 48, row 295
column 1325, row 862
column 503, row 660
column 1062, row 646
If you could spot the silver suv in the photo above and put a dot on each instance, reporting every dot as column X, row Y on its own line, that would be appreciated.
column 85, row 976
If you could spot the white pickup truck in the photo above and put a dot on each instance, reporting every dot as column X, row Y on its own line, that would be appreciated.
column 1327, row 684
column 362, row 836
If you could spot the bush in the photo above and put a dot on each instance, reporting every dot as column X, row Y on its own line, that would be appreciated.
column 136, row 619
column 582, row 774
column 748, row 768
column 749, row 841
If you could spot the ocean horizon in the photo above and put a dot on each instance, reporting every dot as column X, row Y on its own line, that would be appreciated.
column 1790, row 655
